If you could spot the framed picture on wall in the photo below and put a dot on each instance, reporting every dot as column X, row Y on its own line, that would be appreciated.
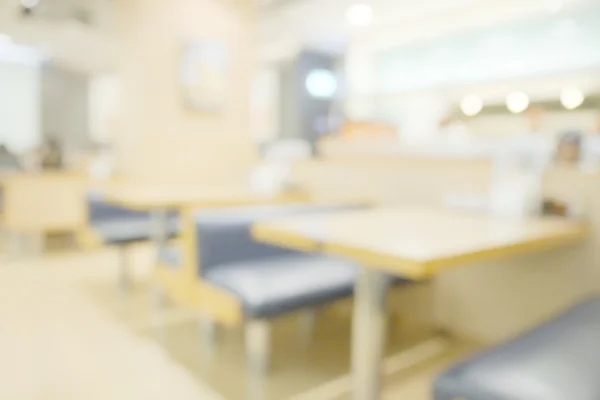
column 204, row 75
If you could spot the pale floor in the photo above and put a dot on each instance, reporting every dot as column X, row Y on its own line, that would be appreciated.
column 70, row 333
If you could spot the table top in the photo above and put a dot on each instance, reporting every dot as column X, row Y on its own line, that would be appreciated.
column 418, row 242
column 150, row 197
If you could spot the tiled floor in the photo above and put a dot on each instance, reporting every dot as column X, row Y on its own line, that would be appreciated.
column 301, row 370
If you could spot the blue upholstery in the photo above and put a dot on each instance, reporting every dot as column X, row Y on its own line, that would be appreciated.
column 560, row 360
column 276, row 285
column 269, row 280
column 224, row 235
column 120, row 231
column 119, row 225
column 102, row 211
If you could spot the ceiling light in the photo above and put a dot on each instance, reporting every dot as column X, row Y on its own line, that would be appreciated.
column 517, row 102
column 29, row 3
column 571, row 98
column 359, row 14
column 471, row 105
column 321, row 83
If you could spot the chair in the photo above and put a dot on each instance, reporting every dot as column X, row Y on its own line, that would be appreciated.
column 559, row 360
column 236, row 280
column 122, row 227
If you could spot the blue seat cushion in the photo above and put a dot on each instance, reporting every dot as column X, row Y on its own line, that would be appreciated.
column 559, row 360
column 101, row 211
column 271, row 286
column 131, row 229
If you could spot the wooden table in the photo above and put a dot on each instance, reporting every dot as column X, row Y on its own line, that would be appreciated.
column 148, row 197
column 159, row 199
column 415, row 243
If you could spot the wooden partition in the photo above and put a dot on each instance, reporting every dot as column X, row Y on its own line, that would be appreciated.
column 490, row 301
column 45, row 202
column 185, row 158
column 495, row 301
column 393, row 180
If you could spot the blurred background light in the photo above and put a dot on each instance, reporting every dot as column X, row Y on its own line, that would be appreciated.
column 5, row 39
column 29, row 3
column 567, row 29
column 554, row 6
column 471, row 105
column 571, row 98
column 359, row 14
column 517, row 102
column 321, row 83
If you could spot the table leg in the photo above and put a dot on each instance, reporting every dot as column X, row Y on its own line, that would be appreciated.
column 368, row 333
column 159, row 221
column 159, row 231
column 125, row 281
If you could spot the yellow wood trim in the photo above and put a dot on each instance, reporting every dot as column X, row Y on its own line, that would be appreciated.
column 143, row 205
column 296, row 241
column 389, row 263
column 50, row 230
column 177, row 282
column 6, row 176
column 284, row 239
column 189, row 238
column 217, row 303
column 528, row 246
column 410, row 267
column 419, row 270
column 176, row 287
column 88, row 239
column 185, row 285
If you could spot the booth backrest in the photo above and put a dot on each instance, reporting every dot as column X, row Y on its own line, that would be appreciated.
column 224, row 236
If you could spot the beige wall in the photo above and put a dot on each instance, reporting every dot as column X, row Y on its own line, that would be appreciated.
column 153, row 33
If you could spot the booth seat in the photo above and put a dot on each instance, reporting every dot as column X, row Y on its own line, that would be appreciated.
column 559, row 360
column 120, row 226
column 256, row 281
column 272, row 286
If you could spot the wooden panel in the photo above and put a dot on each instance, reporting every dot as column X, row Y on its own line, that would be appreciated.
column 45, row 202
column 158, row 137
column 185, row 158
column 393, row 180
